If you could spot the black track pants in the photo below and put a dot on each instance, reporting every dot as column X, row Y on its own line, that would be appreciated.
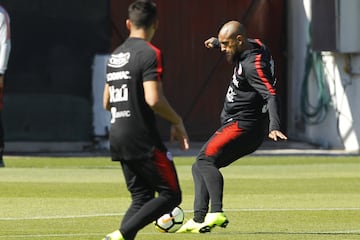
column 226, row 145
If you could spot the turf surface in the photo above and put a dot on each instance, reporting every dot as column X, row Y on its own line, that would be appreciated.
column 282, row 198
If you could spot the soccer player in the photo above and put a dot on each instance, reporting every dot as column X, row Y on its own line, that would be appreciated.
column 250, row 113
column 5, row 45
column 133, row 94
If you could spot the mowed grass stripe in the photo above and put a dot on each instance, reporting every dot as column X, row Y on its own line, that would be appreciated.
column 186, row 211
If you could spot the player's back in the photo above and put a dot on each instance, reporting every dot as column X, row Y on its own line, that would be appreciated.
column 133, row 125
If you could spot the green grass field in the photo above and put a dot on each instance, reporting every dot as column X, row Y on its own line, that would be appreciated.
column 280, row 198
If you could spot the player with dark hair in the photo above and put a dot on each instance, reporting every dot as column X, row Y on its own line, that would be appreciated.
column 249, row 104
column 133, row 94
column 5, row 46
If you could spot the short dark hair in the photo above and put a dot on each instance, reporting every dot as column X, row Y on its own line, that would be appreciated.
column 142, row 13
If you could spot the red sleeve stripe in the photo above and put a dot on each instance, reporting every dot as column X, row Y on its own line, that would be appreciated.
column 262, row 76
column 159, row 68
column 258, row 41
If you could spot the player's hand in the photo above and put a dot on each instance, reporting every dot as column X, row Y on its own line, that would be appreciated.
column 178, row 132
column 209, row 43
column 275, row 134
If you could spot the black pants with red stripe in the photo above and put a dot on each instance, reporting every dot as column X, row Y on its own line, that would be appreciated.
column 226, row 145
column 143, row 179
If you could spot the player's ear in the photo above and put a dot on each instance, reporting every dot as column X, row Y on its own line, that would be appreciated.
column 240, row 39
column 155, row 25
column 128, row 24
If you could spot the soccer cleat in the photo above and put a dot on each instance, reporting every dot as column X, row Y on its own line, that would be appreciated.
column 216, row 219
column 116, row 235
column 194, row 227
